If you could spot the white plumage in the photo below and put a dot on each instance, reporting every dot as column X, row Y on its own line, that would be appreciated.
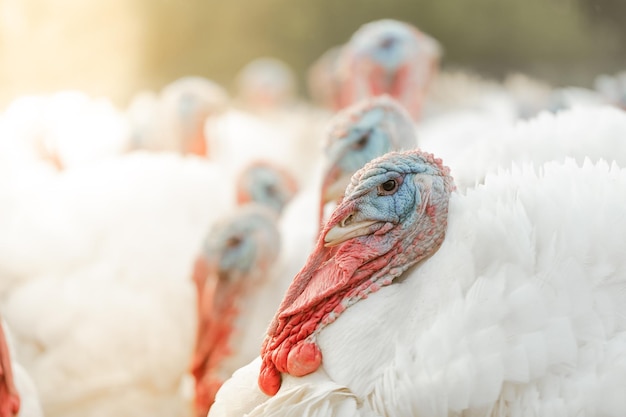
column 474, row 145
column 289, row 136
column 520, row 312
column 105, row 254
column 65, row 129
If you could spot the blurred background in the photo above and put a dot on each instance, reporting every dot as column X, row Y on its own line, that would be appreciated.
column 115, row 48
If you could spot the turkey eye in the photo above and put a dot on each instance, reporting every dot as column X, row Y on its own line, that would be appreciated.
column 233, row 242
column 388, row 187
column 271, row 189
column 362, row 142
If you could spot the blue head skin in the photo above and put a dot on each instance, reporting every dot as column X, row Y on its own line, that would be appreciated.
column 266, row 184
column 359, row 134
column 388, row 42
column 188, row 102
column 244, row 246
column 395, row 192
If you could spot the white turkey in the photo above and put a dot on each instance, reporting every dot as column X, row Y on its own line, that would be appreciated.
column 417, row 300
column 266, row 85
column 237, row 278
column 242, row 270
column 389, row 57
column 175, row 119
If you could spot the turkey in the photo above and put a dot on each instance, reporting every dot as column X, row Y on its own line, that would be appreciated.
column 175, row 119
column 236, row 279
column 266, row 85
column 18, row 395
column 506, row 300
column 388, row 57
column 244, row 267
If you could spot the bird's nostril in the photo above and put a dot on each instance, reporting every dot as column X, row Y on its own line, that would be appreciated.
column 346, row 222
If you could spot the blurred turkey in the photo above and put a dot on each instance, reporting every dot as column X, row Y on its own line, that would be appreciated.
column 175, row 119
column 389, row 57
column 18, row 395
column 417, row 300
column 107, row 263
column 266, row 85
column 245, row 265
column 238, row 286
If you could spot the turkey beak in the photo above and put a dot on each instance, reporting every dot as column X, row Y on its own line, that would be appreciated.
column 347, row 229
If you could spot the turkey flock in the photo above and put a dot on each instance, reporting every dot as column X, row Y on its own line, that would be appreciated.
column 411, row 242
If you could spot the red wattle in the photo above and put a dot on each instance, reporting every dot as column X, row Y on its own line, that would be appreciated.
column 269, row 378
column 304, row 359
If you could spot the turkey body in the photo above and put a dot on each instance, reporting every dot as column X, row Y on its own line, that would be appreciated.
column 519, row 312
column 476, row 145
column 105, row 253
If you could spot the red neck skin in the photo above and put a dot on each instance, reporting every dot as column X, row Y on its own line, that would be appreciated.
column 9, row 398
column 335, row 278
column 215, row 327
column 198, row 143
column 373, row 81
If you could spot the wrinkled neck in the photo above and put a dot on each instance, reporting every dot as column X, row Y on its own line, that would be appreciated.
column 336, row 278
